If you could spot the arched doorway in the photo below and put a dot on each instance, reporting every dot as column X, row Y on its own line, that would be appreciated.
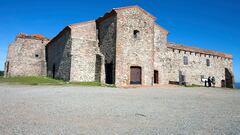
column 228, row 79
column 135, row 75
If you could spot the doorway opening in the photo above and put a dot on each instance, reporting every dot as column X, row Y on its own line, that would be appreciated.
column 53, row 70
column 228, row 79
column 135, row 75
column 156, row 81
column 109, row 73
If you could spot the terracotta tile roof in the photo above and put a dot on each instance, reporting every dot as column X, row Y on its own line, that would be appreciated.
column 33, row 36
column 198, row 50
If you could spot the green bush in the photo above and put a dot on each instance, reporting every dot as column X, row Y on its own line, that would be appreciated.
column 1, row 73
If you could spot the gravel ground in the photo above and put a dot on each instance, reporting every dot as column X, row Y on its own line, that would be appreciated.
column 55, row 110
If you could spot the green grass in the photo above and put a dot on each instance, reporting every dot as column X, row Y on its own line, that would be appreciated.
column 194, row 85
column 31, row 80
column 45, row 81
column 86, row 83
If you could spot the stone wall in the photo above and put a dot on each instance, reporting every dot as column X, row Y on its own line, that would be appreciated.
column 196, row 67
column 59, row 56
column 161, row 59
column 107, row 44
column 26, row 57
column 104, row 50
column 134, row 49
column 87, row 62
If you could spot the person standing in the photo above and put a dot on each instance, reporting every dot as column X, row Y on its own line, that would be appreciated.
column 205, row 82
column 209, row 82
column 213, row 81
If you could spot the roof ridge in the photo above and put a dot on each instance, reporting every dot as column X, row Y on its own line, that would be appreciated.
column 136, row 6
column 198, row 50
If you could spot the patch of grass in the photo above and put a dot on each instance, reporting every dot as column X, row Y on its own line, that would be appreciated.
column 193, row 85
column 34, row 80
column 37, row 80
column 86, row 83
column 31, row 80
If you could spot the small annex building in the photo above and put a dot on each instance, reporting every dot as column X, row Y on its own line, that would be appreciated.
column 26, row 56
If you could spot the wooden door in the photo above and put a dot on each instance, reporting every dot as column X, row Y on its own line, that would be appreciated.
column 135, row 76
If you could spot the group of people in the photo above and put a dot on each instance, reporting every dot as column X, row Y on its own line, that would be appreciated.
column 210, row 81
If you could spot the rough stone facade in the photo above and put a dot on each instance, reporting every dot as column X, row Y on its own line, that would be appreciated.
column 26, row 56
column 134, row 49
column 126, row 47
column 59, row 56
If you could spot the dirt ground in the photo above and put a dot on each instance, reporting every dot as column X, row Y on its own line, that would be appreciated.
column 67, row 110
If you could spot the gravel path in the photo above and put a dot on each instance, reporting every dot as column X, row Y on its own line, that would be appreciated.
column 55, row 110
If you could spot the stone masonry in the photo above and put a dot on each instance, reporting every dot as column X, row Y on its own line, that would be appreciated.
column 127, row 47
column 26, row 56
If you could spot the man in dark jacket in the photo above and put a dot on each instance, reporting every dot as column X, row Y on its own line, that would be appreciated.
column 209, row 82
column 213, row 81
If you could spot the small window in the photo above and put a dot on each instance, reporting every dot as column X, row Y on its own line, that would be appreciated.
column 136, row 33
column 185, row 60
column 208, row 62
column 36, row 55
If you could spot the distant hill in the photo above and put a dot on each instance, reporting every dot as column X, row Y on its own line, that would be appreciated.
column 1, row 73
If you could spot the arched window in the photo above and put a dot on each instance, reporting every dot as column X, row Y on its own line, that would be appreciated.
column 185, row 60
column 208, row 62
column 136, row 33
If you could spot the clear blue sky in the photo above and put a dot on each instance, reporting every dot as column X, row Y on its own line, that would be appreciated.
column 212, row 24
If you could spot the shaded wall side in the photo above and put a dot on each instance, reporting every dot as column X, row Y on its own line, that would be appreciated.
column 59, row 57
column 107, row 41
column 9, row 59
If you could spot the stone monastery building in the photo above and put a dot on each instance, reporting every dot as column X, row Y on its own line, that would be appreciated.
column 124, row 47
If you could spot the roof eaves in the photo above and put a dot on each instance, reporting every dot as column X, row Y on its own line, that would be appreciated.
column 162, row 29
column 59, row 35
column 80, row 24
column 200, row 50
